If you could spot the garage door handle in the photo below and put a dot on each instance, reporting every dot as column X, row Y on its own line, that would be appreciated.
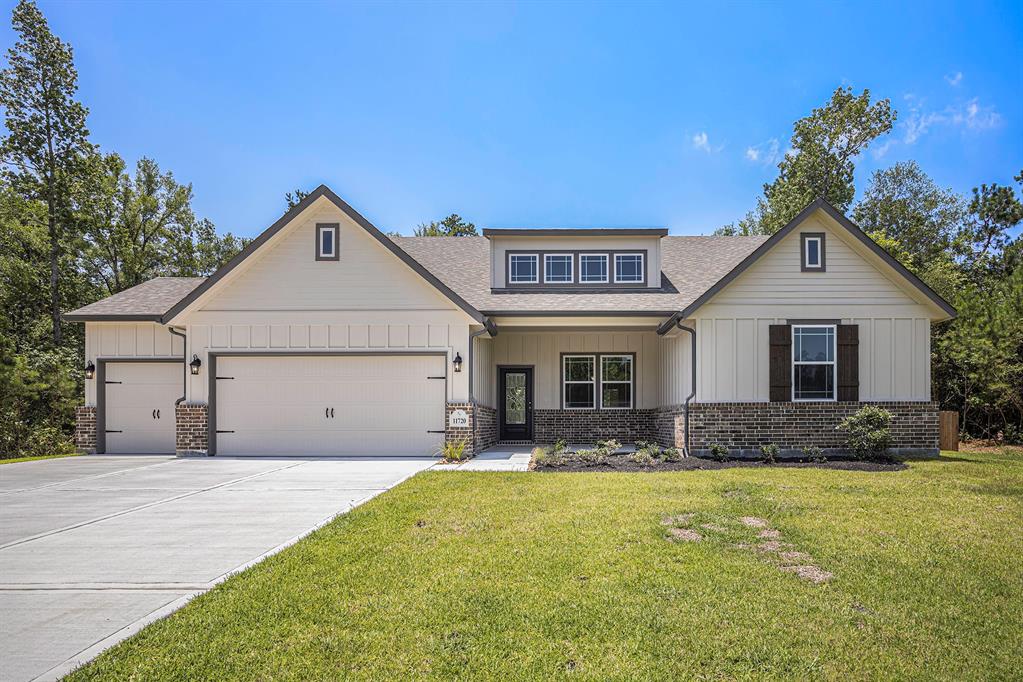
column 158, row 414
column 326, row 412
column 332, row 413
column 154, row 414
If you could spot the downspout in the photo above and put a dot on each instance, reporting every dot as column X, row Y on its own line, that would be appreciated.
column 472, row 392
column 184, row 364
column 692, row 392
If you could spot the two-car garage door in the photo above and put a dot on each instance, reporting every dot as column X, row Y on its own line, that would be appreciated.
column 376, row 405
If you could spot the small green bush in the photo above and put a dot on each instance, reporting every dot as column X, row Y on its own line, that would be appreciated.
column 453, row 451
column 770, row 453
column 610, row 446
column 719, row 452
column 595, row 457
column 545, row 457
column 869, row 432
column 560, row 445
column 642, row 458
column 812, row 453
column 671, row 455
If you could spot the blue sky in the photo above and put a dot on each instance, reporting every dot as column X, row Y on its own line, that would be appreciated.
column 533, row 114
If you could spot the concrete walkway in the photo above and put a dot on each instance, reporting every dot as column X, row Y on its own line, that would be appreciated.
column 94, row 548
column 497, row 458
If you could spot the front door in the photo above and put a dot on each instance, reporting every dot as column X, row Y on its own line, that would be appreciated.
column 516, row 398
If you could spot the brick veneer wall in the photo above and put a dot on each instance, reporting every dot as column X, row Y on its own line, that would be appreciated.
column 486, row 427
column 192, row 429
column 588, row 426
column 669, row 426
column 792, row 426
column 457, row 434
column 85, row 429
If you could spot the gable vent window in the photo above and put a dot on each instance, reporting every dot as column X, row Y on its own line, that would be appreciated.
column 593, row 268
column 812, row 251
column 629, row 267
column 557, row 268
column 523, row 268
column 327, row 241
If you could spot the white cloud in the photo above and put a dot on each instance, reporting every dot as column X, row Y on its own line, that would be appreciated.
column 971, row 115
column 767, row 152
column 954, row 79
column 883, row 149
column 700, row 141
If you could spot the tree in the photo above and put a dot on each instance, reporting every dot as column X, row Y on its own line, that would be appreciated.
column 452, row 226
column 821, row 160
column 996, row 210
column 902, row 203
column 47, row 137
column 293, row 199
column 198, row 250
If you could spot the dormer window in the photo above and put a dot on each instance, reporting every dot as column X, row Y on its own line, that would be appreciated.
column 326, row 241
column 557, row 268
column 629, row 268
column 593, row 268
column 523, row 268
column 812, row 251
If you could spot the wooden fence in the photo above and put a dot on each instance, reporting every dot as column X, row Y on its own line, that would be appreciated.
column 948, row 428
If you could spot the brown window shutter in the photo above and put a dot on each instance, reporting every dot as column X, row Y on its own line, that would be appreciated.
column 849, row 362
column 781, row 363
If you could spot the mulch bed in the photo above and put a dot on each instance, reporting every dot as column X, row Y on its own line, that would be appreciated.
column 622, row 463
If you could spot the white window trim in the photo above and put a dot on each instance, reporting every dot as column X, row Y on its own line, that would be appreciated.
column 607, row 268
column 806, row 252
column 320, row 229
column 536, row 270
column 571, row 269
column 642, row 269
column 833, row 363
column 565, row 382
column 631, row 382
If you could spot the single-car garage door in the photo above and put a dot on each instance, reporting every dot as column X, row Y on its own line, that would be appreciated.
column 362, row 405
column 139, row 406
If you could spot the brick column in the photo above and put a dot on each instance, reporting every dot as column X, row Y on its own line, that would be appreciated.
column 192, row 429
column 457, row 434
column 85, row 429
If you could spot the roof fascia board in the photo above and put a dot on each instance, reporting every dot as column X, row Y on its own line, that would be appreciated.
column 267, row 234
column 111, row 317
column 816, row 204
column 576, row 232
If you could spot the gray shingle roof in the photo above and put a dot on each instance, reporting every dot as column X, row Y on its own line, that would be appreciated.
column 149, row 300
column 690, row 266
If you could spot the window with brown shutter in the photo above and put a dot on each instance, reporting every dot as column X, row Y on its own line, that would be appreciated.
column 781, row 363
column 849, row 362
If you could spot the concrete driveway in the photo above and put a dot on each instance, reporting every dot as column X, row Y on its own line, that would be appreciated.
column 94, row 548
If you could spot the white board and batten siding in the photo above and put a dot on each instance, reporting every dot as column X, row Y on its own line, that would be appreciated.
column 142, row 340
column 856, row 288
column 286, row 300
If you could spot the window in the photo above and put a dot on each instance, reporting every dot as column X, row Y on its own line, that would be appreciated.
column 580, row 385
column 522, row 268
column 616, row 382
column 593, row 267
column 813, row 362
column 326, row 241
column 557, row 268
column 629, row 267
column 812, row 251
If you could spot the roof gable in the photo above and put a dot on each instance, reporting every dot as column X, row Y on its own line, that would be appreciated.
column 218, row 279
column 850, row 231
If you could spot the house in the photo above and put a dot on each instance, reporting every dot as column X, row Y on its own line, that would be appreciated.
column 326, row 337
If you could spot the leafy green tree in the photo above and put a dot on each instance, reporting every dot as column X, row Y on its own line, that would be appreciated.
column 293, row 199
column 821, row 161
column 197, row 250
column 997, row 210
column 47, row 136
column 452, row 226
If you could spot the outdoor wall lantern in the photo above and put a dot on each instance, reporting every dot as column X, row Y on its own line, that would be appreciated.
column 457, row 362
column 195, row 364
column 90, row 370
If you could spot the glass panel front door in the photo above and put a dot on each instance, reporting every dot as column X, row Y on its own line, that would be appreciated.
column 516, row 402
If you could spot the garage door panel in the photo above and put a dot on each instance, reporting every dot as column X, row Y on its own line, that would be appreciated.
column 138, row 408
column 378, row 405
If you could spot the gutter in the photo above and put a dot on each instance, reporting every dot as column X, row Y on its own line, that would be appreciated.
column 692, row 392
column 488, row 327
column 184, row 364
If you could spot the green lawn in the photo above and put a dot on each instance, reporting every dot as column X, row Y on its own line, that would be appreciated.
column 15, row 460
column 526, row 576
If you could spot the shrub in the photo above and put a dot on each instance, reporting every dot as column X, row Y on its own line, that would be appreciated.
column 453, row 451
column 610, row 446
column 671, row 455
column 592, row 457
column 813, row 453
column 719, row 452
column 545, row 457
column 560, row 445
column 770, row 452
column 642, row 458
column 869, row 435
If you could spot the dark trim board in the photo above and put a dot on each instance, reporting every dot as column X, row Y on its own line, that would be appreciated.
column 336, row 229
column 211, row 394
column 597, row 407
column 575, row 286
column 101, row 394
column 803, row 236
column 576, row 232
column 110, row 317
